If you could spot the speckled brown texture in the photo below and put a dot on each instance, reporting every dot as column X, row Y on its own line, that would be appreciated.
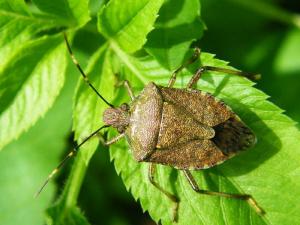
column 196, row 154
column 177, row 126
column 185, row 129
column 203, row 106
column 116, row 117
column 142, row 132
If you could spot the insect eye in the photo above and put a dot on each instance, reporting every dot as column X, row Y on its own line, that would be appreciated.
column 124, row 107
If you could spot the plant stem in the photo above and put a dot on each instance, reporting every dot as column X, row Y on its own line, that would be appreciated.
column 75, row 181
column 272, row 11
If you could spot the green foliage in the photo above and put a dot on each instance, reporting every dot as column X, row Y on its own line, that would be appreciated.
column 27, row 161
column 253, row 172
column 59, row 215
column 287, row 60
column 170, row 38
column 133, row 22
column 71, row 12
column 137, row 45
column 35, row 91
column 88, row 107
column 40, row 61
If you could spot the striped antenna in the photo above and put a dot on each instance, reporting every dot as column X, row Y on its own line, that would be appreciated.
column 70, row 155
column 85, row 78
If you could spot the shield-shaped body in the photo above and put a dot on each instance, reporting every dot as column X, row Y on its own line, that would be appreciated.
column 185, row 129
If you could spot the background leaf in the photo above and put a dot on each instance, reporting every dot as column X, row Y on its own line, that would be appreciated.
column 33, row 92
column 25, row 163
column 176, row 28
column 287, row 60
column 16, row 6
column 89, row 107
column 133, row 22
column 73, row 12
column 18, row 26
column 88, row 111
column 57, row 215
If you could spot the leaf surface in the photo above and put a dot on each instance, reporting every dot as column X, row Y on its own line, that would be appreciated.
column 32, row 70
column 89, row 107
column 27, row 97
column 72, row 12
column 287, row 60
column 17, row 26
column 177, row 27
column 127, row 23
column 72, row 216
column 87, row 118
column 25, row 163
column 259, row 171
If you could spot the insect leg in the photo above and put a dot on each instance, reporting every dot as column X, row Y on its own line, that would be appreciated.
column 111, row 141
column 203, row 69
column 244, row 197
column 172, row 197
column 129, row 89
column 188, row 62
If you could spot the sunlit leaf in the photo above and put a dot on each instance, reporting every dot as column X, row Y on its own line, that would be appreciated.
column 29, row 85
column 73, row 12
column 253, row 172
column 89, row 107
column 145, row 40
column 25, row 163
column 88, row 111
column 18, row 26
column 176, row 28
column 127, row 23
column 287, row 60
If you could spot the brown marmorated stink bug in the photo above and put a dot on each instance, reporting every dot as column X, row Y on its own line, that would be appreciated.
column 186, row 129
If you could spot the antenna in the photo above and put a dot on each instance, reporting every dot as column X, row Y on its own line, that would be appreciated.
column 70, row 155
column 86, row 79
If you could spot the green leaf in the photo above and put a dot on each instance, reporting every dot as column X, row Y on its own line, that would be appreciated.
column 126, row 23
column 89, row 107
column 25, row 163
column 176, row 28
column 18, row 33
column 287, row 60
column 87, row 116
column 269, row 171
column 14, row 6
column 72, row 216
column 17, row 26
column 281, row 70
column 74, row 12
column 31, row 75
column 29, row 84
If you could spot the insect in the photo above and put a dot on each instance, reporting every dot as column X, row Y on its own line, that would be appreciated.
column 187, row 129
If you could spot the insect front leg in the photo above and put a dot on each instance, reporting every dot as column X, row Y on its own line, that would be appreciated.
column 244, row 197
column 188, row 62
column 172, row 197
column 203, row 69
column 129, row 89
column 111, row 141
